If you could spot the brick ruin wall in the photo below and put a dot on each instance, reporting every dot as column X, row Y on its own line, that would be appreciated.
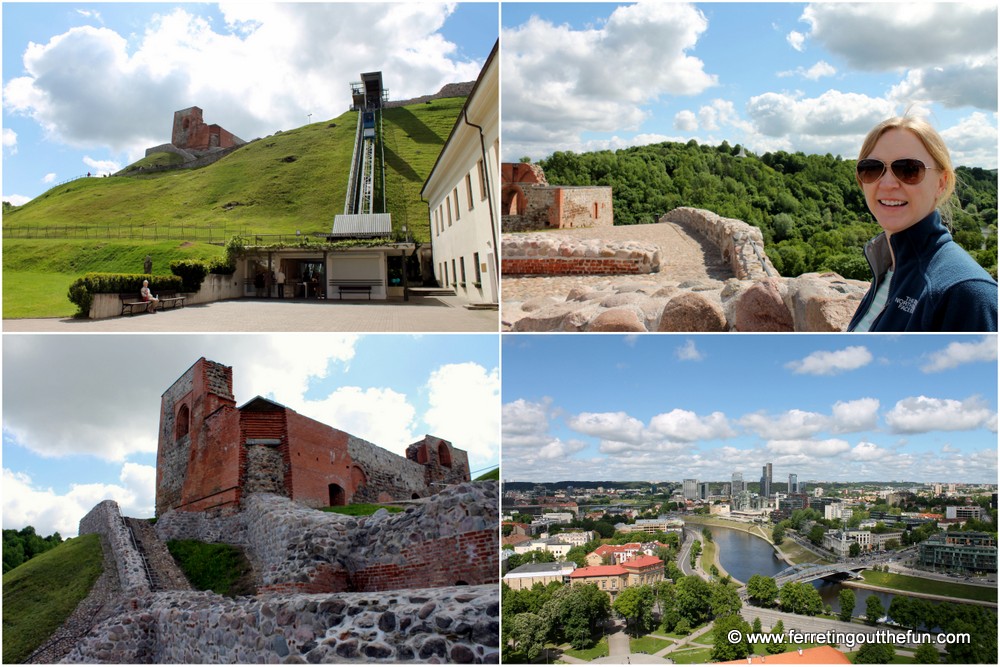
column 171, row 462
column 739, row 243
column 549, row 254
column 560, row 207
column 305, row 560
column 448, row 625
column 440, row 541
column 388, row 476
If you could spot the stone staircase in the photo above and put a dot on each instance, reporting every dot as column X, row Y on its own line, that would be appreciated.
column 163, row 572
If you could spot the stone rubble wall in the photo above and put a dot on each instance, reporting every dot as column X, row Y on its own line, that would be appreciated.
column 106, row 520
column 448, row 538
column 741, row 244
column 546, row 254
column 454, row 625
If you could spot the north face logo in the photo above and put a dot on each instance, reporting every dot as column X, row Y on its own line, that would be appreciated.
column 909, row 304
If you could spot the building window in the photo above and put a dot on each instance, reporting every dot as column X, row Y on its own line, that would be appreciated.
column 482, row 179
column 183, row 422
column 458, row 210
column 461, row 263
column 479, row 274
column 446, row 283
column 468, row 189
column 595, row 210
column 454, row 273
column 448, row 203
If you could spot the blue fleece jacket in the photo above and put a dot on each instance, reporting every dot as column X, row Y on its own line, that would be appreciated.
column 936, row 285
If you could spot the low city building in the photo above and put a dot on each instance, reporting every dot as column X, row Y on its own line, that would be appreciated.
column 553, row 545
column 530, row 574
column 659, row 525
column 577, row 538
column 960, row 550
column 612, row 579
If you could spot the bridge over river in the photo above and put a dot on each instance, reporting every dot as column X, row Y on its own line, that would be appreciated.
column 810, row 572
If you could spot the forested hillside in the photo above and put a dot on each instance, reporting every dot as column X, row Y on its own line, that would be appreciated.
column 809, row 207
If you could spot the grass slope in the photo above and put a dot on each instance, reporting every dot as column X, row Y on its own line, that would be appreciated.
column 39, row 595
column 291, row 181
column 220, row 568
column 910, row 584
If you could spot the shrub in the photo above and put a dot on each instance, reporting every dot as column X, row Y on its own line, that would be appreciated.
column 82, row 291
column 222, row 267
column 191, row 271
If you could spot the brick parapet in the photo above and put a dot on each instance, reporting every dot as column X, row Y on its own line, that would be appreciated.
column 549, row 254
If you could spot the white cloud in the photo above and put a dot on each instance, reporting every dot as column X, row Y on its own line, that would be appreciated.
column 525, row 424
column 973, row 141
column 463, row 402
column 791, row 425
column 596, row 79
column 689, row 351
column 957, row 353
column 614, row 426
column 687, row 426
column 685, row 121
column 10, row 140
column 101, row 167
column 921, row 414
column 853, row 416
column 832, row 363
column 381, row 416
column 808, row 448
column 16, row 200
column 867, row 451
column 49, row 178
column 814, row 73
column 48, row 511
column 796, row 39
column 91, row 87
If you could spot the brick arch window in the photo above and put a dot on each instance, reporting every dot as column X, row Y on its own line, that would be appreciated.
column 183, row 422
column 444, row 455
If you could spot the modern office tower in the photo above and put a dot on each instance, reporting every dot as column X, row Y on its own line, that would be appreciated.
column 765, row 481
column 738, row 486
column 690, row 489
column 793, row 483
column 703, row 490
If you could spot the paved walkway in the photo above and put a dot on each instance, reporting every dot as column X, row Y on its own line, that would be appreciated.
column 685, row 256
column 423, row 314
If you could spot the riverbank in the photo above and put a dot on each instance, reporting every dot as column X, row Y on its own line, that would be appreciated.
column 852, row 583
column 931, row 589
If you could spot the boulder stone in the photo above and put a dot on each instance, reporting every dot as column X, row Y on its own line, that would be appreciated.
column 761, row 308
column 692, row 311
column 616, row 319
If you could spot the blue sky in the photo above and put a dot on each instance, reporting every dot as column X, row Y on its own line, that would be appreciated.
column 84, row 429
column 771, row 76
column 88, row 87
column 826, row 407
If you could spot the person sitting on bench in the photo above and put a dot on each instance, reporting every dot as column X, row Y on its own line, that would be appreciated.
column 148, row 296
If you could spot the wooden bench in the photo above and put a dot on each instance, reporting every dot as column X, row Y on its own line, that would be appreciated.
column 361, row 285
column 171, row 300
column 131, row 302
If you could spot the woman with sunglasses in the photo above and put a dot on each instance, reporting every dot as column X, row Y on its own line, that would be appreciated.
column 923, row 280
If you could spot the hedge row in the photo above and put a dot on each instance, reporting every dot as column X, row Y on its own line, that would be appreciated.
column 82, row 291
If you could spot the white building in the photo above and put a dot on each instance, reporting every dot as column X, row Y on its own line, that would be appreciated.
column 463, row 194
column 577, row 539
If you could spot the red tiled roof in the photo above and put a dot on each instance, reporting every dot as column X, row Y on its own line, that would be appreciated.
column 514, row 540
column 642, row 561
column 818, row 655
column 598, row 571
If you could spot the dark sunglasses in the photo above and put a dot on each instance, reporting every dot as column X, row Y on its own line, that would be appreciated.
column 908, row 170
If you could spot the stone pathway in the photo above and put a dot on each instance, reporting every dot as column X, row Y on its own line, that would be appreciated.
column 163, row 570
column 685, row 256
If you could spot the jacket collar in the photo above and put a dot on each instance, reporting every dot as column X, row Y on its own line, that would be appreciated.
column 912, row 242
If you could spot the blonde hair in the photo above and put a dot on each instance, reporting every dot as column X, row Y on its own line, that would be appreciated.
column 931, row 140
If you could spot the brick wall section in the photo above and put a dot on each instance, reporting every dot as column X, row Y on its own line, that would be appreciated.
column 583, row 207
column 471, row 557
column 538, row 207
column 388, row 476
column 556, row 266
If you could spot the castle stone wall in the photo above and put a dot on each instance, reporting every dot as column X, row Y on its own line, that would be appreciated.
column 448, row 625
column 740, row 244
column 106, row 520
column 388, row 476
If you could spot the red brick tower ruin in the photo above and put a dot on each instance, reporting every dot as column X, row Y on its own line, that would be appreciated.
column 210, row 453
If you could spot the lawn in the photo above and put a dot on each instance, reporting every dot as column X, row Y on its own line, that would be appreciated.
column 220, row 568
column 361, row 509
column 39, row 595
column 599, row 650
column 910, row 584
column 692, row 656
column 648, row 644
column 31, row 294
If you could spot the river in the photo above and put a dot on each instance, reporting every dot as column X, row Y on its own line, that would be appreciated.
column 744, row 555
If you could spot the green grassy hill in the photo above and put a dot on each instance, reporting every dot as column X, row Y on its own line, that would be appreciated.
column 291, row 181
column 39, row 595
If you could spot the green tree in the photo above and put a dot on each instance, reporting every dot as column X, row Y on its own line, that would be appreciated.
column 693, row 597
column 847, row 602
column 776, row 645
column 724, row 599
column 873, row 610
column 875, row 654
column 816, row 534
column 722, row 649
column 528, row 632
column 635, row 604
column 926, row 655
column 756, row 625
column 778, row 534
column 854, row 550
column 762, row 590
column 575, row 613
